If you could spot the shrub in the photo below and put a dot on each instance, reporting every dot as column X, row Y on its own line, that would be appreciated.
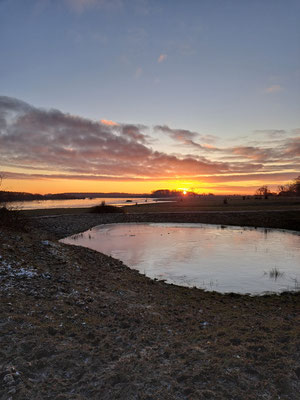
column 104, row 209
column 13, row 219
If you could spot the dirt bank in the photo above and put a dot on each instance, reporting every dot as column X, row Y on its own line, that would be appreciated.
column 76, row 324
column 64, row 225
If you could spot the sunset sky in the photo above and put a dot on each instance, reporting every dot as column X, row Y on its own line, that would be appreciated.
column 139, row 95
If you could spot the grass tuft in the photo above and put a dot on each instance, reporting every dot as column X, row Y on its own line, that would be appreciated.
column 275, row 273
column 104, row 209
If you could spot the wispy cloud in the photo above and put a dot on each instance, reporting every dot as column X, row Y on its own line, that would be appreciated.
column 188, row 138
column 162, row 58
column 272, row 133
column 273, row 89
column 183, row 136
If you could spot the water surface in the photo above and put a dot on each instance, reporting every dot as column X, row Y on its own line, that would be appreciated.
column 212, row 257
column 81, row 203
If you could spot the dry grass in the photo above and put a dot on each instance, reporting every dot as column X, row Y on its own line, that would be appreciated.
column 188, row 205
column 217, row 204
column 13, row 219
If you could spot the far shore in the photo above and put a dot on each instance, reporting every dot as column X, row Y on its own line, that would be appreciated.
column 271, row 213
column 213, row 203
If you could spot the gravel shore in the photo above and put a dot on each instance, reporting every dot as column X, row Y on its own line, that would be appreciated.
column 76, row 324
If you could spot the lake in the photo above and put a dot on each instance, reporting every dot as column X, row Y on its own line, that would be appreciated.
column 211, row 257
column 77, row 203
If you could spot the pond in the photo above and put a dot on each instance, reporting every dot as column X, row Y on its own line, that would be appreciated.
column 211, row 257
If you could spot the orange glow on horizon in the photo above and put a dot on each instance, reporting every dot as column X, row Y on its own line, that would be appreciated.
column 45, row 186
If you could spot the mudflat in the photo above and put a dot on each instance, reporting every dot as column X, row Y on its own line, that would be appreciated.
column 77, row 324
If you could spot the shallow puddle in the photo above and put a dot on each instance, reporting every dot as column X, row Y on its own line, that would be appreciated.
column 212, row 257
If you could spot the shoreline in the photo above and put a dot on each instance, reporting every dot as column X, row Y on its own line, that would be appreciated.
column 78, row 324
column 60, row 226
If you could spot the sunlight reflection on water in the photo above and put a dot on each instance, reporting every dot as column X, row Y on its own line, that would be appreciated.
column 212, row 257
column 82, row 203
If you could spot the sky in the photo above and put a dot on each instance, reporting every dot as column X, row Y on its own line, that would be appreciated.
column 140, row 95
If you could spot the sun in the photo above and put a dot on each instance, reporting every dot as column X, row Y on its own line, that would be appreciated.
column 183, row 191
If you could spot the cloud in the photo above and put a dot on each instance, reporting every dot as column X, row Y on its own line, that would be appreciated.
column 54, row 141
column 108, row 122
column 292, row 148
column 177, row 134
column 183, row 136
column 271, row 133
column 209, row 138
column 267, row 177
column 134, row 133
column 162, row 58
column 187, row 137
column 253, row 153
column 63, row 146
column 274, row 89
column 296, row 131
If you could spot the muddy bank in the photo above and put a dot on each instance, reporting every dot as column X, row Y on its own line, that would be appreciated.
column 76, row 324
column 65, row 225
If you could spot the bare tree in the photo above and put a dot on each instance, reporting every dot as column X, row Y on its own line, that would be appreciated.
column 263, row 191
column 281, row 188
column 295, row 186
column 290, row 189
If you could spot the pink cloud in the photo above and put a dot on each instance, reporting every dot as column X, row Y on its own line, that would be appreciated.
column 273, row 89
column 162, row 58
column 108, row 122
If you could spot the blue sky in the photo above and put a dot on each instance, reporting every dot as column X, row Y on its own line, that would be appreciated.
column 224, row 69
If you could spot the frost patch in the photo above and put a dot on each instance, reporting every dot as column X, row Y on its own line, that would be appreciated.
column 10, row 270
column 25, row 273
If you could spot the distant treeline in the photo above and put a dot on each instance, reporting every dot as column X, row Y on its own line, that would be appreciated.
column 6, row 196
column 20, row 196
column 169, row 193
column 291, row 189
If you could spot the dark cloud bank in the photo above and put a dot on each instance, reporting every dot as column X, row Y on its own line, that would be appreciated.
column 49, row 140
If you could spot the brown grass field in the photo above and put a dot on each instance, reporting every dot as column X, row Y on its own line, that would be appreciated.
column 192, row 205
